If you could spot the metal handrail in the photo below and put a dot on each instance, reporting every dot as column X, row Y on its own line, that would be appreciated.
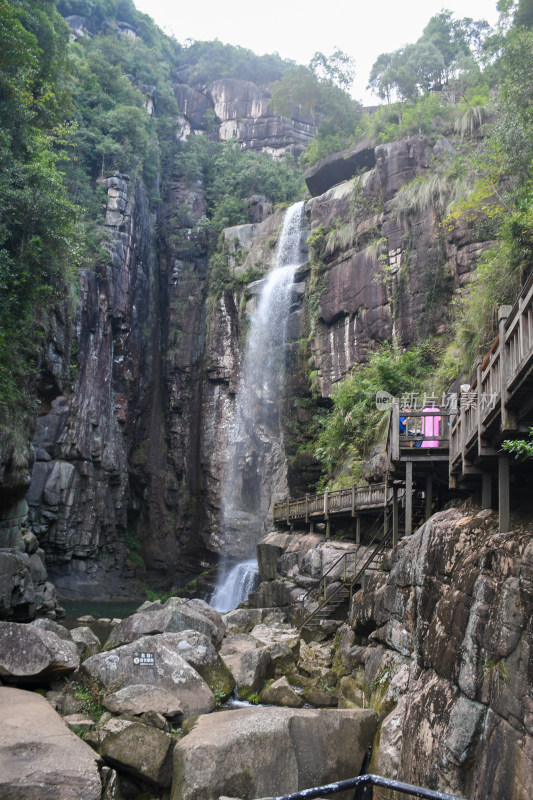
column 379, row 547
column 344, row 555
column 314, row 589
column 363, row 785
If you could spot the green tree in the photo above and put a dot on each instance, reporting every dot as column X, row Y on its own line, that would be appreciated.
column 349, row 429
column 338, row 69
column 38, row 223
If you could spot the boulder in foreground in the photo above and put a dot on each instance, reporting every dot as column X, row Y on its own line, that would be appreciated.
column 264, row 752
column 174, row 616
column 40, row 758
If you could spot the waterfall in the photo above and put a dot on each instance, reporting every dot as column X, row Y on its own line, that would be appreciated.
column 255, row 459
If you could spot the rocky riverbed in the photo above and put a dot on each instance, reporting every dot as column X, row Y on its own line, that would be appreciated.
column 432, row 666
column 143, row 706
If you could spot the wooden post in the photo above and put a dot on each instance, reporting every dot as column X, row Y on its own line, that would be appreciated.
column 358, row 529
column 311, row 527
column 395, row 516
column 486, row 490
column 326, row 503
column 503, row 493
column 328, row 528
column 307, row 508
column 353, row 499
column 508, row 418
column 429, row 495
column 408, row 498
column 395, row 437
column 479, row 393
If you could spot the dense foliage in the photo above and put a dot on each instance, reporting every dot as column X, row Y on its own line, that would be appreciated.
column 449, row 51
column 37, row 219
column 349, row 430
column 320, row 92
column 71, row 112
column 231, row 175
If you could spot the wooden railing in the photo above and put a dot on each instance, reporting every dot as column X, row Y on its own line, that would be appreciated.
column 414, row 430
column 341, row 501
column 499, row 375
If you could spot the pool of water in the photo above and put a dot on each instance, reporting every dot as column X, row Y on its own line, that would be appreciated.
column 80, row 608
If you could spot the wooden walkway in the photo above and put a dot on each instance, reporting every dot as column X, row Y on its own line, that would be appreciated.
column 340, row 503
column 465, row 456
column 499, row 407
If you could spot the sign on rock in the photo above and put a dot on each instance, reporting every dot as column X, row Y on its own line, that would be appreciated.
column 144, row 659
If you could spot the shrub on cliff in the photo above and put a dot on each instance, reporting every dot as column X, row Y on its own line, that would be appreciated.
column 350, row 427
column 38, row 228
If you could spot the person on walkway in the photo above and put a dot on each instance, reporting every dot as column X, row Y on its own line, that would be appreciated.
column 430, row 424
column 403, row 422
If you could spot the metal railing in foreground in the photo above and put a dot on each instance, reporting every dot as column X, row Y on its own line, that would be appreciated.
column 363, row 789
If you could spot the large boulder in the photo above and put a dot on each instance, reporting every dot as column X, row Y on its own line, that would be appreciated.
column 152, row 661
column 242, row 620
column 40, row 758
column 140, row 698
column 172, row 617
column 86, row 641
column 249, row 663
column 339, row 167
column 270, row 751
column 139, row 750
column 200, row 653
column 32, row 655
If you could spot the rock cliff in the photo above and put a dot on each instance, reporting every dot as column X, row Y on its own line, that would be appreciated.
column 448, row 659
column 242, row 110
column 386, row 271
column 128, row 464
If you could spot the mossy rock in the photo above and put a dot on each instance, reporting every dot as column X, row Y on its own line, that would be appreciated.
column 219, row 679
column 350, row 693
column 188, row 724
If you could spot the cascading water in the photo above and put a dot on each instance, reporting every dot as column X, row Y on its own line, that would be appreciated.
column 255, row 457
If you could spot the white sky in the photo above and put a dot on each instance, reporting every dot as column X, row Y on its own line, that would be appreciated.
column 296, row 30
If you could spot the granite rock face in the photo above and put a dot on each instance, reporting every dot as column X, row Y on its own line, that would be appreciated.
column 449, row 657
column 34, row 655
column 386, row 271
column 339, row 168
column 242, row 111
column 130, row 465
column 308, row 748
column 79, row 495
column 166, row 670
column 40, row 759
column 117, row 455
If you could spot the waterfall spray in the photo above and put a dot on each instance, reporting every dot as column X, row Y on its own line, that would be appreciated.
column 254, row 451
